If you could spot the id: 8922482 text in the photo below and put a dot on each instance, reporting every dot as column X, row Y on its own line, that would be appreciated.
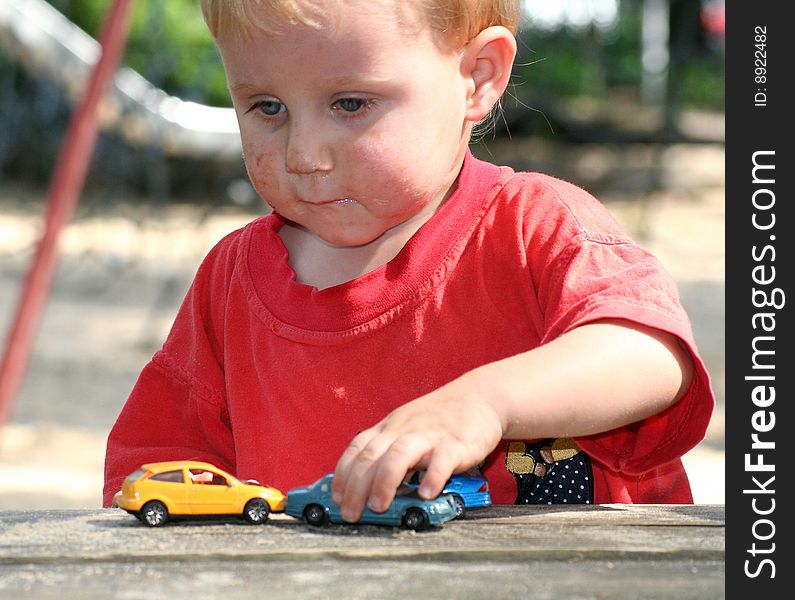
column 760, row 65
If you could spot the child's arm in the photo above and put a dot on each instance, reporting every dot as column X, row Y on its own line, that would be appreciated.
column 592, row 379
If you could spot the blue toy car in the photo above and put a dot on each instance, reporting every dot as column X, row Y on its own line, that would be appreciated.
column 468, row 490
column 314, row 504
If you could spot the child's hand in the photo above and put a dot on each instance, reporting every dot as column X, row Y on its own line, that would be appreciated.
column 636, row 372
column 444, row 432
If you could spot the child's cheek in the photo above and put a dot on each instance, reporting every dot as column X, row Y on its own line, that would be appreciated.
column 380, row 159
column 262, row 171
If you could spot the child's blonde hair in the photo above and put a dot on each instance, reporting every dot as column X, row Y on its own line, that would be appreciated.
column 457, row 20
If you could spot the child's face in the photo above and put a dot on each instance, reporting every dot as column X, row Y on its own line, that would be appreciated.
column 353, row 128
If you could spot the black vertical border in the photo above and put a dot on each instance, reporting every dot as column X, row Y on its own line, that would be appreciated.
column 758, row 123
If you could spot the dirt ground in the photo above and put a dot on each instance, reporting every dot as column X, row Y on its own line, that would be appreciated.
column 125, row 265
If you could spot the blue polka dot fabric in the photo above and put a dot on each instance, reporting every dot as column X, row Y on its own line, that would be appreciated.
column 550, row 471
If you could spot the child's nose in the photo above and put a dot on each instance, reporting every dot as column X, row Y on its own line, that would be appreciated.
column 307, row 153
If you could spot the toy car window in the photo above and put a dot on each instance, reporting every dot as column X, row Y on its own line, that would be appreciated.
column 169, row 476
column 134, row 476
column 203, row 476
column 407, row 490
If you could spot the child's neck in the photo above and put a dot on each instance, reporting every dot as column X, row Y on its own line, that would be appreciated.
column 322, row 265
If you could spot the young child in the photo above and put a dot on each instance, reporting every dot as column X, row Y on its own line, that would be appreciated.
column 405, row 305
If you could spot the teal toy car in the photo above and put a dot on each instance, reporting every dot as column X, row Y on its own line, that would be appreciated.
column 313, row 504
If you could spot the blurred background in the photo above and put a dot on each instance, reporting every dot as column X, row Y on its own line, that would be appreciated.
column 623, row 97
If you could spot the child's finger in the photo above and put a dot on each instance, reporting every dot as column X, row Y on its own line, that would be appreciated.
column 442, row 464
column 405, row 453
column 360, row 475
column 346, row 460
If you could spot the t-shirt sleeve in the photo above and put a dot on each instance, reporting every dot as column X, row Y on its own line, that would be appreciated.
column 177, row 409
column 166, row 417
column 599, row 273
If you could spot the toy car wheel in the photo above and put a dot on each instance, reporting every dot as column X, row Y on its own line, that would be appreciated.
column 256, row 511
column 460, row 508
column 315, row 515
column 416, row 519
column 154, row 513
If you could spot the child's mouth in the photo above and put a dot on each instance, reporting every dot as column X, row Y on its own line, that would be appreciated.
column 335, row 202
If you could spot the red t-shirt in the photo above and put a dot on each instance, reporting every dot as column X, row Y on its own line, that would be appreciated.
column 270, row 379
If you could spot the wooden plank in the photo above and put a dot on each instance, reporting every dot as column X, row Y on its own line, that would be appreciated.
column 529, row 534
column 613, row 552
column 613, row 514
column 255, row 579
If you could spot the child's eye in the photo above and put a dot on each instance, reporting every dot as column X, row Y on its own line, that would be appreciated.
column 351, row 105
column 269, row 108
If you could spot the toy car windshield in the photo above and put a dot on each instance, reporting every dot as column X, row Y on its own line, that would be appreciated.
column 406, row 490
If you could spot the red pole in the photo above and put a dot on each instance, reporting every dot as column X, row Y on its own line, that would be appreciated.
column 65, row 188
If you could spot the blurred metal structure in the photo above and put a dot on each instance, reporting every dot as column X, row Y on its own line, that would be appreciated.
column 655, row 58
column 47, row 44
column 65, row 187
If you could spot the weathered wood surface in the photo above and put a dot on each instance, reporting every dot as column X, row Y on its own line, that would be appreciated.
column 608, row 551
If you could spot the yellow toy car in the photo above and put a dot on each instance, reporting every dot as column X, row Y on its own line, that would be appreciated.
column 159, row 491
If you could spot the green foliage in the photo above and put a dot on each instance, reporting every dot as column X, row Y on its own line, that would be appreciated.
column 594, row 62
column 702, row 83
column 571, row 62
column 169, row 45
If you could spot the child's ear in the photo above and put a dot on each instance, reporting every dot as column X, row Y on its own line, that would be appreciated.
column 486, row 63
